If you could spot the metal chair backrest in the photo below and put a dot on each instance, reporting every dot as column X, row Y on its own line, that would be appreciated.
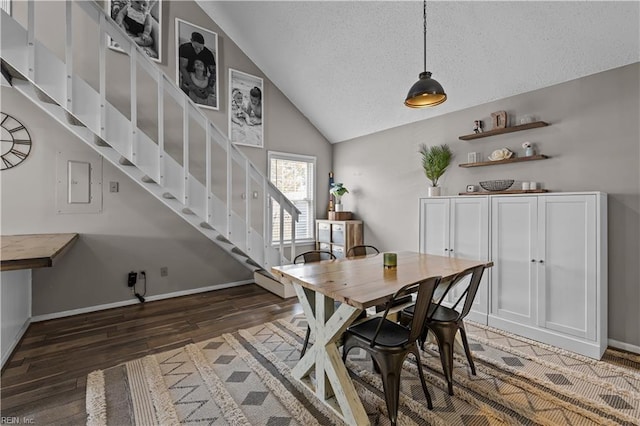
column 313, row 256
column 468, row 294
column 362, row 250
column 425, row 291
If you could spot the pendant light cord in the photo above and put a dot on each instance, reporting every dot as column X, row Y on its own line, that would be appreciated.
column 424, row 10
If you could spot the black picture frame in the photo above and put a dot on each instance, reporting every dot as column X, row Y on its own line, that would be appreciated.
column 154, row 16
column 204, row 94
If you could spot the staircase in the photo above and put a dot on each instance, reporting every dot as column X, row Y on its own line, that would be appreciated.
column 172, row 150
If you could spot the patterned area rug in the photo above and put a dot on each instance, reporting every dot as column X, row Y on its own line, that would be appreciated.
column 244, row 379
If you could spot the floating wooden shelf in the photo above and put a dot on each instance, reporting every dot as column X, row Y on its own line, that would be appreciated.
column 508, row 160
column 511, row 129
column 511, row 191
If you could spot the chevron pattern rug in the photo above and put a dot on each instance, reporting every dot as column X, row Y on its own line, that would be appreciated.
column 244, row 379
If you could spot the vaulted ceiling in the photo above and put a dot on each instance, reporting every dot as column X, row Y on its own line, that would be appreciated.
column 348, row 65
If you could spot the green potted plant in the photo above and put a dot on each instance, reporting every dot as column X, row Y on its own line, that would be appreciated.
column 338, row 190
column 435, row 160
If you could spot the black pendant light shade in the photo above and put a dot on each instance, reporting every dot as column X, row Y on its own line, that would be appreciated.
column 426, row 91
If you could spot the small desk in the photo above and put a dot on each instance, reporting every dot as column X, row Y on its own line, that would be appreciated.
column 34, row 250
column 358, row 283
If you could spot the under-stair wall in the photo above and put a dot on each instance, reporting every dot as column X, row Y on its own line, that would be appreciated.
column 173, row 150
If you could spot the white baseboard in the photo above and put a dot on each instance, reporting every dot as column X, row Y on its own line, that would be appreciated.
column 624, row 346
column 72, row 312
column 6, row 352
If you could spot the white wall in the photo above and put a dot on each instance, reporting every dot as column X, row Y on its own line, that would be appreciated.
column 594, row 144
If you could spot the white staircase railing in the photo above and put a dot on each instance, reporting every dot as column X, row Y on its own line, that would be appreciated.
column 176, row 152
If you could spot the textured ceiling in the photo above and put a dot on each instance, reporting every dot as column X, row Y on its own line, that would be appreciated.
column 347, row 66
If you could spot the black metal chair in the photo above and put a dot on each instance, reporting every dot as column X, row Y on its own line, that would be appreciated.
column 309, row 257
column 313, row 256
column 445, row 322
column 388, row 342
column 362, row 250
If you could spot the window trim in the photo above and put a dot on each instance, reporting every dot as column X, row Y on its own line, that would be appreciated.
column 293, row 157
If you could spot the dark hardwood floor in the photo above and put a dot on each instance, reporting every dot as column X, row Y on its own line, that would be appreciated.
column 44, row 381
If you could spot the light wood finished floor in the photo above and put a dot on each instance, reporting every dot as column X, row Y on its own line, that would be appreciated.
column 44, row 380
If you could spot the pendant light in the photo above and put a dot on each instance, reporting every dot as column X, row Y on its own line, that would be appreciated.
column 426, row 92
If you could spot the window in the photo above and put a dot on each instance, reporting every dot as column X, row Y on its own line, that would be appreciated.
column 6, row 6
column 294, row 175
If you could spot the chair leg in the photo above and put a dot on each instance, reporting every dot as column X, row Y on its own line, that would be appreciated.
column 391, row 368
column 306, row 342
column 416, row 353
column 467, row 351
column 445, row 337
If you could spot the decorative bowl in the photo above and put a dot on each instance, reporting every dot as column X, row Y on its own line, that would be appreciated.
column 496, row 185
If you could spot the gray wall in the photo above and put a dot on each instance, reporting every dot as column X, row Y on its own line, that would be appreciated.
column 594, row 144
column 134, row 231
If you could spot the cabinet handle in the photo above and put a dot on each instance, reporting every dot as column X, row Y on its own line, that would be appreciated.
column 446, row 249
column 541, row 261
column 533, row 261
column 451, row 250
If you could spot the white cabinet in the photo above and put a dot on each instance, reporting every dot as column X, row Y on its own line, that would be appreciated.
column 458, row 227
column 549, row 274
column 549, row 279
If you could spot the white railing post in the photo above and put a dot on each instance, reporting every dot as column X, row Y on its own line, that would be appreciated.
column 292, row 255
column 247, row 202
column 229, row 187
column 267, row 221
column 207, row 173
column 68, row 55
column 31, row 29
column 133, row 62
column 281, row 205
column 161, row 163
column 102, row 69
column 185, row 150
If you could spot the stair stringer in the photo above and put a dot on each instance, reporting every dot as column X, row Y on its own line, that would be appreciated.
column 134, row 173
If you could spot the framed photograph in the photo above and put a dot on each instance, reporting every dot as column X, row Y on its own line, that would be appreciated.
column 141, row 19
column 196, row 63
column 246, row 109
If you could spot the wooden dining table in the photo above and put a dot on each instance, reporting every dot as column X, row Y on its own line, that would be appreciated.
column 358, row 283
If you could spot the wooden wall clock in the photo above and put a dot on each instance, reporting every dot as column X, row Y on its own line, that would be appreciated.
column 16, row 142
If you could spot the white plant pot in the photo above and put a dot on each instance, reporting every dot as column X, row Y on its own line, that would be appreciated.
column 434, row 191
column 338, row 207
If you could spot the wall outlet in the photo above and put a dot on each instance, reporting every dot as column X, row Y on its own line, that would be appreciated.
column 164, row 271
column 114, row 187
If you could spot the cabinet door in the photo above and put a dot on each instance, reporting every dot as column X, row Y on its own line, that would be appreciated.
column 434, row 226
column 513, row 248
column 469, row 239
column 567, row 264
